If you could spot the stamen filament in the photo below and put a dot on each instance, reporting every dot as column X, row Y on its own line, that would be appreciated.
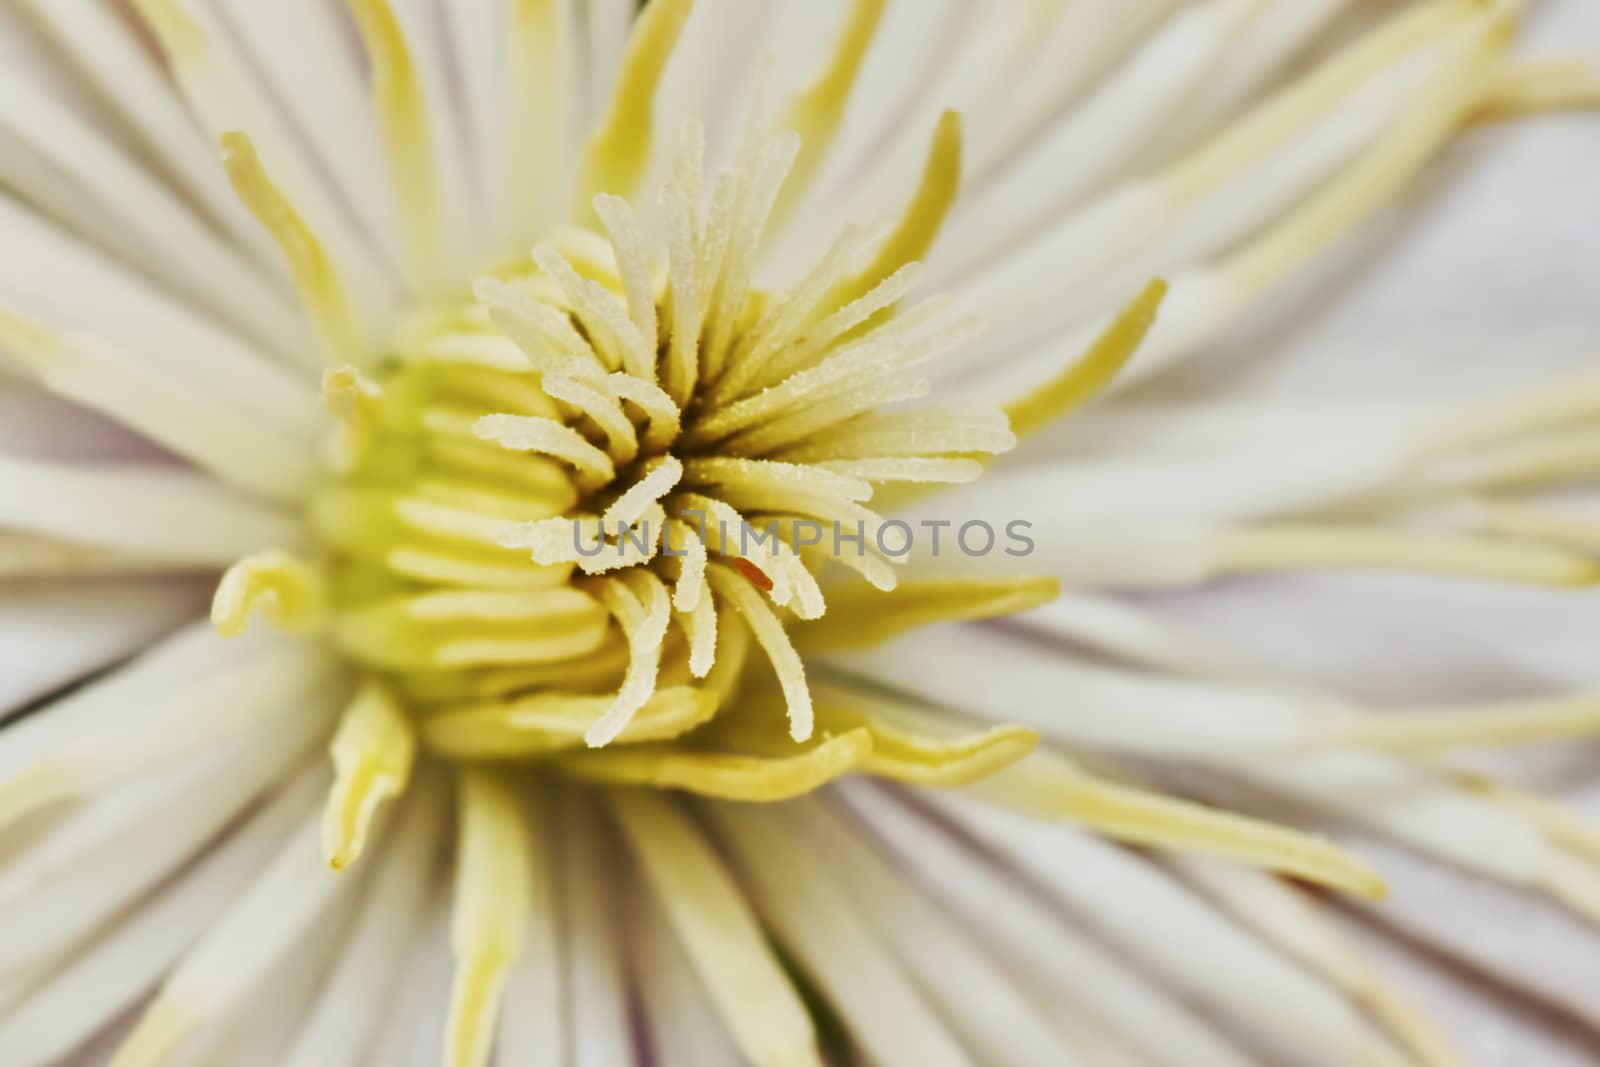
column 373, row 751
column 1499, row 726
column 642, row 608
column 923, row 218
column 774, row 640
column 817, row 111
column 493, row 879
column 403, row 116
column 287, row 590
column 727, row 775
column 316, row 278
column 1091, row 372
column 618, row 154
column 859, row 617
column 1049, row 787
column 1308, row 546
column 723, row 937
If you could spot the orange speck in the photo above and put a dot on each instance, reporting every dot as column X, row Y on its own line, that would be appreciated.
column 755, row 575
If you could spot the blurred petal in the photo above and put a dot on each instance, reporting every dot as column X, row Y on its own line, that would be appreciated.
column 54, row 632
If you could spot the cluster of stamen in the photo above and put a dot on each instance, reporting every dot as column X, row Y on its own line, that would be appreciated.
column 560, row 514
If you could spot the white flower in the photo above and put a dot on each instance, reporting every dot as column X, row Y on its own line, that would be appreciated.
column 807, row 268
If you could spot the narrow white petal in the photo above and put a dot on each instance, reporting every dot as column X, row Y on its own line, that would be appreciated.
column 1065, row 967
column 103, row 855
column 186, row 694
column 1179, row 934
column 264, row 929
column 104, row 619
column 99, row 43
column 835, row 942
column 1534, row 945
column 597, row 975
column 414, row 1013
column 684, row 1029
column 348, row 1009
column 300, row 47
column 59, row 162
column 533, row 1022
column 164, row 512
column 53, row 277
column 980, row 1001
column 111, row 974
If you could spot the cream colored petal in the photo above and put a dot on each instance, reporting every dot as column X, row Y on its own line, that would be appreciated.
column 1073, row 976
column 110, row 975
column 1178, row 933
column 988, row 1008
column 108, row 620
column 596, row 978
column 833, row 940
column 708, row 912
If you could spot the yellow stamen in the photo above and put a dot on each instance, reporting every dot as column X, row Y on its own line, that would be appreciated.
column 374, row 524
column 1416, row 1032
column 355, row 400
column 554, row 721
column 373, row 753
column 597, row 672
column 178, row 32
column 1552, row 406
column 403, row 117
column 618, row 153
column 1302, row 104
column 1309, row 546
column 643, row 609
column 1541, row 86
column 866, row 616
column 560, row 606
column 633, row 265
column 1046, row 786
column 322, row 293
column 817, row 111
column 536, row 76
column 548, row 437
column 904, row 751
column 1091, row 372
column 601, row 408
column 689, row 591
column 1558, row 458
column 726, row 644
column 1501, row 726
column 288, row 591
column 389, row 635
column 728, row 775
column 712, row 917
column 494, row 875
column 461, row 568
column 1522, row 522
column 774, row 640
column 701, row 626
column 1399, row 154
column 924, row 216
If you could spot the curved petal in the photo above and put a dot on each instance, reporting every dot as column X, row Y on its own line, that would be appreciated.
column 54, row 632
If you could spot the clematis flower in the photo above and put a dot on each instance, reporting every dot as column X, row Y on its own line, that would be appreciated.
column 559, row 405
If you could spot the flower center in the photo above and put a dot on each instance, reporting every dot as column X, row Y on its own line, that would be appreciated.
column 562, row 514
